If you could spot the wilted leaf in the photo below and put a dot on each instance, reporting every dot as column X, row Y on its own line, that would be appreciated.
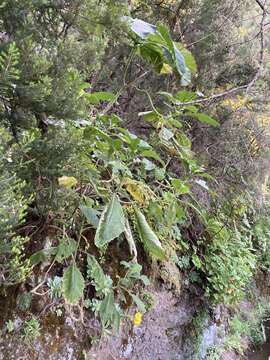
column 166, row 69
column 148, row 237
column 67, row 181
column 73, row 284
column 140, row 192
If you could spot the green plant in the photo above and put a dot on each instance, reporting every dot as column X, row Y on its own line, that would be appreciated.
column 213, row 353
column 31, row 329
column 55, row 287
column 10, row 326
column 228, row 264
column 14, row 266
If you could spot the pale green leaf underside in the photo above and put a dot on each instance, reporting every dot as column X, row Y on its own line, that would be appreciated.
column 111, row 223
column 148, row 237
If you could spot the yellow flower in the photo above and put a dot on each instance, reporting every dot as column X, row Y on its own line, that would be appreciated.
column 137, row 319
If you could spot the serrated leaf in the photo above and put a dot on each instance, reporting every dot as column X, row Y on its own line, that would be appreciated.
column 148, row 237
column 65, row 249
column 42, row 255
column 102, row 282
column 73, row 284
column 111, row 223
column 185, row 96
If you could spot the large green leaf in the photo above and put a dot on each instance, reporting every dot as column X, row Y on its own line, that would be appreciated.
column 90, row 214
column 42, row 255
column 148, row 237
column 158, row 48
column 65, row 249
column 203, row 118
column 111, row 223
column 109, row 314
column 96, row 97
column 73, row 284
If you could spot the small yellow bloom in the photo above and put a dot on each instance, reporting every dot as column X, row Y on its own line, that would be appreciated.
column 137, row 319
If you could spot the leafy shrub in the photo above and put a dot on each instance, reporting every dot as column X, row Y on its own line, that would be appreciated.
column 14, row 267
column 228, row 262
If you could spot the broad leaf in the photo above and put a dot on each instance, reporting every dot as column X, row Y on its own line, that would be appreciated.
column 189, row 59
column 111, row 223
column 73, row 284
column 42, row 255
column 180, row 186
column 148, row 237
column 140, row 305
column 65, row 249
column 91, row 215
column 203, row 118
column 96, row 97
column 109, row 314
column 141, row 28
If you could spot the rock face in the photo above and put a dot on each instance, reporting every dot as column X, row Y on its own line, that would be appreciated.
column 166, row 333
column 161, row 336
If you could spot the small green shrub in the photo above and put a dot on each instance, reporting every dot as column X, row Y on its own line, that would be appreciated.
column 31, row 329
column 229, row 262
column 14, row 267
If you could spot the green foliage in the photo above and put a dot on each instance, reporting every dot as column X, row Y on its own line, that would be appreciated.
column 55, row 287
column 94, row 181
column 229, row 263
column 148, row 237
column 105, row 305
column 10, row 326
column 14, row 267
column 31, row 329
column 111, row 223
column 158, row 48
column 248, row 324
column 73, row 284
column 24, row 301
